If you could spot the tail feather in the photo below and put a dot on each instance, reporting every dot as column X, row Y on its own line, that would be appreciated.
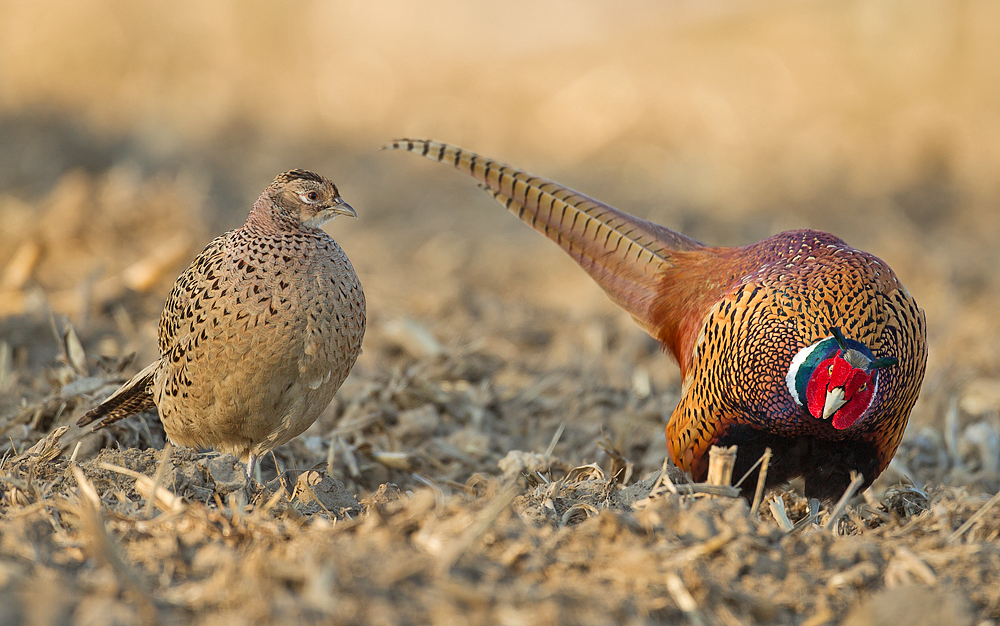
column 622, row 253
column 133, row 397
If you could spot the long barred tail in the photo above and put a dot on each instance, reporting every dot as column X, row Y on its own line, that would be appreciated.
column 133, row 397
column 622, row 253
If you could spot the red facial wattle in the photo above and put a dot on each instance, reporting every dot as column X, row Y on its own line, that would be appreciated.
column 835, row 376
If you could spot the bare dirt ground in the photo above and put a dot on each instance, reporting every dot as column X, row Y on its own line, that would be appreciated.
column 493, row 457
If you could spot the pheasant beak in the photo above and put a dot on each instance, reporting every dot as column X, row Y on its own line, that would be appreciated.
column 342, row 208
column 834, row 400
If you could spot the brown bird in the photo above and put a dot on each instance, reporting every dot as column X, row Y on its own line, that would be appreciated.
column 799, row 342
column 258, row 334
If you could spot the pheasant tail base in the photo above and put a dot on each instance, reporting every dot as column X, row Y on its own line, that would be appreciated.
column 133, row 397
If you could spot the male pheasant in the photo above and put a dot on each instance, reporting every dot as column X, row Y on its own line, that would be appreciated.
column 799, row 342
column 258, row 333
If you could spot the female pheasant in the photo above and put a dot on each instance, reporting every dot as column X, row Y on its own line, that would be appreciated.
column 799, row 342
column 258, row 333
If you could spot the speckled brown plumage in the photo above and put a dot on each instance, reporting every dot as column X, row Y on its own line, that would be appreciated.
column 259, row 333
column 735, row 319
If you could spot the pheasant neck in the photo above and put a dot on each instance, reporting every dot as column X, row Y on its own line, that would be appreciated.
column 266, row 218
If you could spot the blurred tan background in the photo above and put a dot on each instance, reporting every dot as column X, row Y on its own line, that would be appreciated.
column 130, row 133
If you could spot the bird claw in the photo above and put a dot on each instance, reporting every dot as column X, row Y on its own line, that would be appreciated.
column 811, row 518
column 253, row 491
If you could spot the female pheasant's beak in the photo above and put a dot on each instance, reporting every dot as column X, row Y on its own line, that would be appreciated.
column 342, row 208
column 317, row 216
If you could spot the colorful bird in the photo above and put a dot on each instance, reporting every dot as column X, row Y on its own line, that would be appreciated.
column 258, row 333
column 798, row 343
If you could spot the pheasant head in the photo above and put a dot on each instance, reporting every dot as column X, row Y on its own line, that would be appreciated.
column 299, row 198
column 835, row 379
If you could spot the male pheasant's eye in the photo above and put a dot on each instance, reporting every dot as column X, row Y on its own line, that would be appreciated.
column 829, row 370
column 863, row 387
